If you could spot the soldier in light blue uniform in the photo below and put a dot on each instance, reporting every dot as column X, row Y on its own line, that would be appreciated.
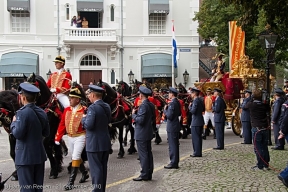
column 196, row 109
column 29, row 126
column 144, row 122
column 97, row 137
column 275, row 120
column 245, row 119
column 219, row 118
column 172, row 112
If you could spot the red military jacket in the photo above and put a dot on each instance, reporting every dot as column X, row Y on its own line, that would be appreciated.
column 138, row 102
column 60, row 82
column 183, row 111
column 71, row 123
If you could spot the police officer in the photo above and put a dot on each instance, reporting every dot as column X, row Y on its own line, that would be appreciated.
column 144, row 122
column 196, row 109
column 172, row 113
column 245, row 119
column 219, row 118
column 97, row 137
column 29, row 126
column 276, row 112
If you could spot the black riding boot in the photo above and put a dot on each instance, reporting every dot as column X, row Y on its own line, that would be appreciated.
column 70, row 184
column 84, row 172
column 204, row 132
column 69, row 168
column 214, row 133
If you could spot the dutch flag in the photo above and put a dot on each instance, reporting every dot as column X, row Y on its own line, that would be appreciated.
column 174, row 46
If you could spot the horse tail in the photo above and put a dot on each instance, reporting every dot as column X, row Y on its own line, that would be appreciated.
column 113, row 133
column 58, row 153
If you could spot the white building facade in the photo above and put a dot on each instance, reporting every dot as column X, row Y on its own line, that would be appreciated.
column 29, row 39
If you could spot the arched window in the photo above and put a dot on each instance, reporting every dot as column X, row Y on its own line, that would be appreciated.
column 112, row 12
column 90, row 60
column 67, row 7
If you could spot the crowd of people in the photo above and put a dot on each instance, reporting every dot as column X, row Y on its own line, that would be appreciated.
column 88, row 127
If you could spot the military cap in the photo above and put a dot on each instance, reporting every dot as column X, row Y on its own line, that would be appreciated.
column 248, row 91
column 194, row 89
column 173, row 90
column 27, row 87
column 96, row 88
column 208, row 89
column 242, row 92
column 59, row 59
column 221, row 55
column 155, row 89
column 75, row 92
column 218, row 90
column 144, row 90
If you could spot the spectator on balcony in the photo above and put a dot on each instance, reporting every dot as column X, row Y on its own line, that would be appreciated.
column 73, row 22
column 84, row 23
column 79, row 22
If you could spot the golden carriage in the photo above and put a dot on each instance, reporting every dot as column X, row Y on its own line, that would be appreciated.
column 242, row 76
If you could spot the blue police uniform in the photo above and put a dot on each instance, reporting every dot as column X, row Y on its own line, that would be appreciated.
column 245, row 120
column 30, row 127
column 173, row 128
column 283, row 176
column 219, row 119
column 276, row 113
column 144, row 121
column 197, row 124
column 97, row 140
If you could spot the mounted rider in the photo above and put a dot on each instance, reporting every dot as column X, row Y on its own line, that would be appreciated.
column 218, row 70
column 59, row 81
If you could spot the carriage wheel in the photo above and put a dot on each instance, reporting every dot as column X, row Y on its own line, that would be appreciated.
column 236, row 123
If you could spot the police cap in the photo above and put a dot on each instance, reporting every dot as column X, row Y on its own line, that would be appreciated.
column 248, row 91
column 194, row 89
column 279, row 91
column 96, row 88
column 144, row 90
column 173, row 90
column 217, row 90
column 27, row 87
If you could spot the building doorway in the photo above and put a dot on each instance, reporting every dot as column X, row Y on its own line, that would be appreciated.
column 88, row 76
column 94, row 18
column 158, row 82
column 9, row 81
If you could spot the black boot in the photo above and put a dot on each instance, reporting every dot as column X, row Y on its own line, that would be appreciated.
column 69, row 168
column 70, row 184
column 84, row 172
column 214, row 133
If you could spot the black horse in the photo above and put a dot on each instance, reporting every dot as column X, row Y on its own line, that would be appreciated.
column 48, row 102
column 120, row 117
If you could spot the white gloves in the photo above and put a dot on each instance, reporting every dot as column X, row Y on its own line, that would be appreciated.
column 57, row 143
column 53, row 90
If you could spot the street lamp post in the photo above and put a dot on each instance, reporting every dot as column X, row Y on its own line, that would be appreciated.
column 48, row 74
column 268, row 41
column 131, row 77
column 185, row 77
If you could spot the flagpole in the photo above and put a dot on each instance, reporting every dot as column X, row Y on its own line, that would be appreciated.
column 173, row 76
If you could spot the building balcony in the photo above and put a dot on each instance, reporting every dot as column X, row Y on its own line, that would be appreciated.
column 90, row 35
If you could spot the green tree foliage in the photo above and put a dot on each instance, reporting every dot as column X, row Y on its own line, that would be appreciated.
column 214, row 15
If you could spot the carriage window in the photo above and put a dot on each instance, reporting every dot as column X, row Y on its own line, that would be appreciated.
column 112, row 76
column 90, row 60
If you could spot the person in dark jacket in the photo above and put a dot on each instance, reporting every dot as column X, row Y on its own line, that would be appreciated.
column 172, row 112
column 29, row 126
column 144, row 121
column 196, row 109
column 259, row 113
column 245, row 119
column 219, row 107
column 98, row 142
column 276, row 113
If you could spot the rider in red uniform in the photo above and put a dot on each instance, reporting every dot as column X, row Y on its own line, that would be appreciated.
column 59, row 81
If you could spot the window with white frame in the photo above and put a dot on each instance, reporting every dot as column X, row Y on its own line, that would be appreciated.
column 20, row 21
column 67, row 12
column 112, row 9
column 157, row 23
column 90, row 60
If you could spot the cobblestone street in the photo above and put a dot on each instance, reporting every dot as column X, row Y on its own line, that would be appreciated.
column 227, row 170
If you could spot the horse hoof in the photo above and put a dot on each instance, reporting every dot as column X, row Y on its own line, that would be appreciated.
column 110, row 151
column 53, row 177
column 132, row 151
column 120, row 156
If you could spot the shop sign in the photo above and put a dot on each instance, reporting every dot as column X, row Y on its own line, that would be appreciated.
column 160, row 75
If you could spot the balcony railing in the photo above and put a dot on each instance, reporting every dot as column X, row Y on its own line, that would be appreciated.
column 90, row 35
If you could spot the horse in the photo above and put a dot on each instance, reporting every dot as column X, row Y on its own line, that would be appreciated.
column 120, row 117
column 48, row 102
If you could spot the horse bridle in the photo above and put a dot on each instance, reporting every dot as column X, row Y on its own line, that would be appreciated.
column 4, row 113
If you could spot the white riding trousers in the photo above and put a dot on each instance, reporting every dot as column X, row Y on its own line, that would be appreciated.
column 77, row 145
column 209, row 116
column 63, row 99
